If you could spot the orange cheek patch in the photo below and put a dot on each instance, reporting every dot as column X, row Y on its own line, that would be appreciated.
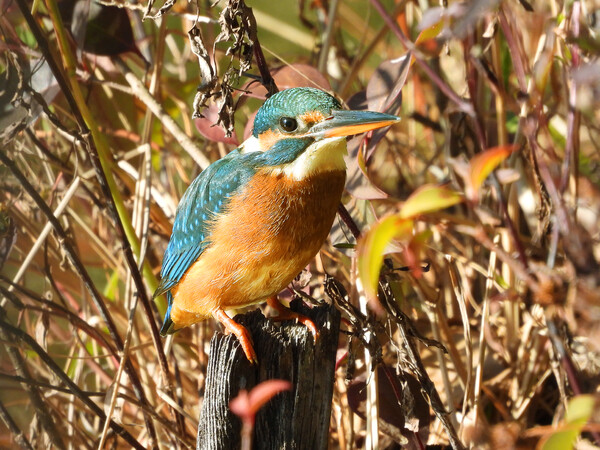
column 268, row 139
column 312, row 117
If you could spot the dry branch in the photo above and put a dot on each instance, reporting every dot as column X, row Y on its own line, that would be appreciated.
column 295, row 419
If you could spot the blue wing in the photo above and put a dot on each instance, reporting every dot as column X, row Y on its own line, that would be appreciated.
column 205, row 197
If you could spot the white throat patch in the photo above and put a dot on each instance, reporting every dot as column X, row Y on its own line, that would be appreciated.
column 250, row 145
column 326, row 155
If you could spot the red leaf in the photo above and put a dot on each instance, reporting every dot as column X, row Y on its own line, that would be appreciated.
column 207, row 128
column 246, row 405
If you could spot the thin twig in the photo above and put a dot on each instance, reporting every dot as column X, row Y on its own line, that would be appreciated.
column 21, row 369
column 12, row 426
column 393, row 26
column 324, row 55
column 348, row 220
column 80, row 269
column 75, row 390
column 141, row 92
column 265, row 74
column 43, row 234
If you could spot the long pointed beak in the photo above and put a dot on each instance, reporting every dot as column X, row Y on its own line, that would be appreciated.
column 347, row 123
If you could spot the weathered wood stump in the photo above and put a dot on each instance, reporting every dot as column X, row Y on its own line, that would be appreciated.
column 295, row 419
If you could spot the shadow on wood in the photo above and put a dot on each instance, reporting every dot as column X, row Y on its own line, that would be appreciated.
column 296, row 419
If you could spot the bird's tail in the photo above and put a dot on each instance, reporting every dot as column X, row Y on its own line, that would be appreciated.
column 168, row 325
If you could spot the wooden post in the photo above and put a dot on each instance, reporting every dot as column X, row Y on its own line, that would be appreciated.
column 293, row 419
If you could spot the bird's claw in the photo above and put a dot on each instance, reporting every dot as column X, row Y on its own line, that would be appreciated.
column 288, row 314
column 240, row 332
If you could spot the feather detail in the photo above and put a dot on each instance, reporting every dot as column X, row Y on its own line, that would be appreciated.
column 264, row 237
column 205, row 198
column 168, row 326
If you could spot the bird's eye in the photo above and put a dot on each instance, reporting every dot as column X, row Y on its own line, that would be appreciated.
column 288, row 124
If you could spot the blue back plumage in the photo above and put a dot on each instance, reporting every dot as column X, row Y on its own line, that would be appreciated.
column 203, row 200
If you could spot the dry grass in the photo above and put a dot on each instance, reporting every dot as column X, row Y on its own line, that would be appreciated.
column 90, row 182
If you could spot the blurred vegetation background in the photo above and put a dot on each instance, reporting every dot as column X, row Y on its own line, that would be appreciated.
column 481, row 205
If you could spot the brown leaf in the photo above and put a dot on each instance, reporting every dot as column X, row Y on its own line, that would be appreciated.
column 384, row 91
column 99, row 29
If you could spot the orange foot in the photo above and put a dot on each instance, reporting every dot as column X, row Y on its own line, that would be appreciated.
column 241, row 333
column 288, row 314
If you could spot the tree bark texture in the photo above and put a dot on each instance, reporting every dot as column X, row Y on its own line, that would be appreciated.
column 295, row 419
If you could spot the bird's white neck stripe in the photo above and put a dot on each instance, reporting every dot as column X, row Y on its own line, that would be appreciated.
column 250, row 145
column 326, row 155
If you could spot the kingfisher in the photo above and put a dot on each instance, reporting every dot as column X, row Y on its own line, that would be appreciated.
column 251, row 221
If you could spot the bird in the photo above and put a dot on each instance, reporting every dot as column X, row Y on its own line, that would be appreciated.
column 251, row 221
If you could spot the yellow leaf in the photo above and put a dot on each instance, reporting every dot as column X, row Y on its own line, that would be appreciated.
column 430, row 33
column 372, row 248
column 427, row 199
column 427, row 42
column 482, row 164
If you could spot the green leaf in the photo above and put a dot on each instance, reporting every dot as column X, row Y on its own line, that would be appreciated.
column 512, row 123
column 557, row 136
column 372, row 246
column 579, row 411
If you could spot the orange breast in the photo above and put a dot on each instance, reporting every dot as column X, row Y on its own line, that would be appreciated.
column 267, row 235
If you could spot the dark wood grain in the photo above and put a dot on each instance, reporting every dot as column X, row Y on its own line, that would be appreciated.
column 296, row 419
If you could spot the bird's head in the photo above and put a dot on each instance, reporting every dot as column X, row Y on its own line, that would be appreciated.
column 303, row 130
